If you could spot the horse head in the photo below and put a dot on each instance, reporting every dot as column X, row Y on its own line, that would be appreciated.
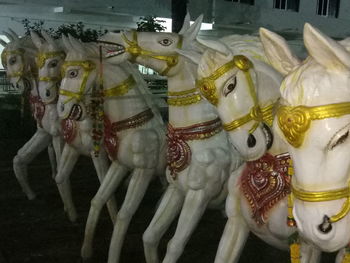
column 78, row 77
column 49, row 60
column 232, row 76
column 18, row 58
column 156, row 50
column 314, row 119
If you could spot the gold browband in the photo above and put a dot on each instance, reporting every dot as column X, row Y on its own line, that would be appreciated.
column 257, row 114
column 135, row 50
column 324, row 196
column 41, row 58
column 207, row 84
column 88, row 66
column 121, row 89
column 295, row 121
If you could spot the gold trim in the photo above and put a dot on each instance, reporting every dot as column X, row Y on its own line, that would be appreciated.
column 121, row 89
column 324, row 196
column 295, row 121
column 184, row 97
column 135, row 50
column 256, row 114
column 41, row 57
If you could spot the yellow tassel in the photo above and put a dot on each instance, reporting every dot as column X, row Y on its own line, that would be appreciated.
column 346, row 258
column 294, row 252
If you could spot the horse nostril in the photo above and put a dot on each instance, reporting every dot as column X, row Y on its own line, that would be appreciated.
column 326, row 225
column 62, row 107
column 251, row 141
column 48, row 93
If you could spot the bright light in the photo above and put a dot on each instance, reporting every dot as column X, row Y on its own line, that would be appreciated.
column 2, row 48
column 168, row 22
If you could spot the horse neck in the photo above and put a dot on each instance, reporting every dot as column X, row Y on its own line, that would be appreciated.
column 121, row 107
column 182, row 116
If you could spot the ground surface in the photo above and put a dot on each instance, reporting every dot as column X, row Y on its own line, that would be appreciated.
column 38, row 231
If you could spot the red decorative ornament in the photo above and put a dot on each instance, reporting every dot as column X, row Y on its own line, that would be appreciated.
column 37, row 108
column 264, row 182
column 69, row 130
column 179, row 153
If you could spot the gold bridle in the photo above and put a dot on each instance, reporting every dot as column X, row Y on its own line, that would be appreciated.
column 88, row 66
column 135, row 50
column 208, row 89
column 294, row 122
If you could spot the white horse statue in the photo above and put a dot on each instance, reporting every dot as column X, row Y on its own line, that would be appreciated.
column 19, row 59
column 133, row 131
column 199, row 156
column 50, row 58
column 314, row 119
column 234, row 76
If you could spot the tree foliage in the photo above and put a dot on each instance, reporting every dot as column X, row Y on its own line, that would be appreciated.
column 150, row 24
column 77, row 30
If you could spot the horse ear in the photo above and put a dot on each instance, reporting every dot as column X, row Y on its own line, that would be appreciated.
column 48, row 38
column 278, row 52
column 186, row 25
column 36, row 39
column 8, row 35
column 66, row 43
column 3, row 43
column 325, row 50
column 192, row 32
column 190, row 54
column 76, row 44
column 14, row 34
column 216, row 45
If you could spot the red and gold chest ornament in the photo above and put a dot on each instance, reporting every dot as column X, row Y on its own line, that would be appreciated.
column 111, row 130
column 69, row 130
column 264, row 182
column 37, row 108
column 257, row 114
column 179, row 152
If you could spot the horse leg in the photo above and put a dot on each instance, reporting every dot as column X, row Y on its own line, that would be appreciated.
column 101, row 165
column 138, row 185
column 196, row 202
column 52, row 158
column 169, row 207
column 64, row 188
column 309, row 254
column 25, row 155
column 236, row 230
column 114, row 176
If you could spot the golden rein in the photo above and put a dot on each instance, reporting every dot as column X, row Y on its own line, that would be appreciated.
column 135, row 50
column 42, row 57
column 323, row 196
column 295, row 121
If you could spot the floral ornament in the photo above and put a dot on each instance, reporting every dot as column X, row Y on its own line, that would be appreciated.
column 294, row 122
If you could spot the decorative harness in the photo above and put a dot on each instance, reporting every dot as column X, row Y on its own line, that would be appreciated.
column 294, row 123
column 41, row 58
column 135, row 50
column 179, row 152
column 208, row 89
column 109, row 129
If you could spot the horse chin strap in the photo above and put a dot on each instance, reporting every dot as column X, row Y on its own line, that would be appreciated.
column 208, row 89
column 135, row 50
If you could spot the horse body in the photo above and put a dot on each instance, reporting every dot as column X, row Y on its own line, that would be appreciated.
column 244, row 89
column 199, row 158
column 133, row 132
column 319, row 146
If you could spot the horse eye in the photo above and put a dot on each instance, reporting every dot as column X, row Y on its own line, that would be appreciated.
column 12, row 60
column 53, row 63
column 230, row 87
column 73, row 73
column 341, row 140
column 166, row 42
